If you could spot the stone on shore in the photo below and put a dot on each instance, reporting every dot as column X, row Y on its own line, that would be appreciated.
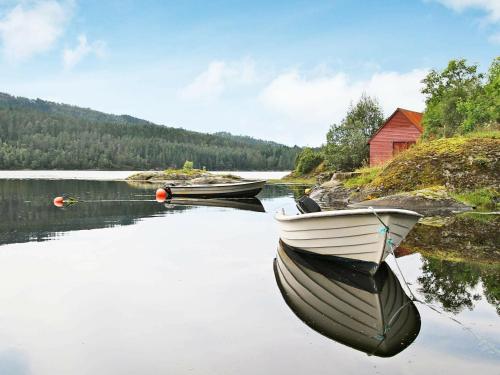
column 428, row 202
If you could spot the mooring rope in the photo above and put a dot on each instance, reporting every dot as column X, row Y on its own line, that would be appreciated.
column 391, row 247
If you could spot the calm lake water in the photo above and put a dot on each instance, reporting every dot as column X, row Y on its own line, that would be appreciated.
column 121, row 284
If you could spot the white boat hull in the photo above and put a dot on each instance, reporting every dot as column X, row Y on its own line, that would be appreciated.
column 356, row 235
column 233, row 190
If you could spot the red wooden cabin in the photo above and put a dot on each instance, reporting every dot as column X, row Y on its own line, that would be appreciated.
column 400, row 131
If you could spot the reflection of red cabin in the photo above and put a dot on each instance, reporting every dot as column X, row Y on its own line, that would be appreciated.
column 400, row 131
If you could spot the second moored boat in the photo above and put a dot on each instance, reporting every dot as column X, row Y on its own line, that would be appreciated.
column 246, row 189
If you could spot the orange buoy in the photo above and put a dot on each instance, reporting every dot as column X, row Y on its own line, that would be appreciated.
column 58, row 201
column 161, row 195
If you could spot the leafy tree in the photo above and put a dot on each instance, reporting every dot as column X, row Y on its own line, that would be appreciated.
column 307, row 161
column 483, row 108
column 446, row 91
column 346, row 143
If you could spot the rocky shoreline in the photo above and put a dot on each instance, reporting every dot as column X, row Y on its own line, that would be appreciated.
column 334, row 194
column 450, row 229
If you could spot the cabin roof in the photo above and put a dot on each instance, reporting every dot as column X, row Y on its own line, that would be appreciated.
column 414, row 117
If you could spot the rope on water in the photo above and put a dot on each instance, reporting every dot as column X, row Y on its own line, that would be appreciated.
column 484, row 344
column 391, row 248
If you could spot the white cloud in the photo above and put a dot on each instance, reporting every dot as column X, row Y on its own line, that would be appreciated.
column 398, row 89
column 71, row 57
column 491, row 7
column 32, row 28
column 293, row 107
column 321, row 101
column 219, row 76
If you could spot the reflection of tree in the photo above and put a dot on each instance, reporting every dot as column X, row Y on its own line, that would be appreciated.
column 452, row 283
column 298, row 190
column 491, row 284
column 276, row 191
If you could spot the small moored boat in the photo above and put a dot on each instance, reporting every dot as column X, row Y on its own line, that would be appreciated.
column 362, row 237
column 372, row 314
column 244, row 189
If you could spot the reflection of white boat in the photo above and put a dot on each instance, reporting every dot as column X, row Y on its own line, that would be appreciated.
column 368, row 313
column 364, row 237
column 245, row 204
column 244, row 189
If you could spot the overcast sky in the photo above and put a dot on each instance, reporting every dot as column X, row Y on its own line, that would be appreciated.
column 278, row 70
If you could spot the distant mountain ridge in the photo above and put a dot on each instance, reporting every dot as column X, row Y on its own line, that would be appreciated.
column 38, row 134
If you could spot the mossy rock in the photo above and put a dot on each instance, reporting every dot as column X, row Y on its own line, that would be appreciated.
column 331, row 197
column 457, row 163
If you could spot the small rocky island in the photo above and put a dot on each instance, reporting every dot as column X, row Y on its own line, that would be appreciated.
column 185, row 176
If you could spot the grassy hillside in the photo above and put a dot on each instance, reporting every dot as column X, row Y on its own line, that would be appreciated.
column 458, row 163
column 37, row 134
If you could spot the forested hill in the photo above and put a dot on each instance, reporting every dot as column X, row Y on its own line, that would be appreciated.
column 37, row 134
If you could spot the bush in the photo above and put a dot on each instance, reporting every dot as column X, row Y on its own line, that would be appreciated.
column 307, row 161
column 188, row 165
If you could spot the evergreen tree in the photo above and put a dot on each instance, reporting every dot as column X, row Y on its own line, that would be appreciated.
column 37, row 134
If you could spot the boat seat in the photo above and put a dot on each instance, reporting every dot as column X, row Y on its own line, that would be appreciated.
column 307, row 205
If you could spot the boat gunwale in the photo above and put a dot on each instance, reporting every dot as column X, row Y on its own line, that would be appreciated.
column 229, row 184
column 338, row 213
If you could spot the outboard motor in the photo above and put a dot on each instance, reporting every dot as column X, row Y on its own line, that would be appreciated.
column 307, row 205
column 168, row 191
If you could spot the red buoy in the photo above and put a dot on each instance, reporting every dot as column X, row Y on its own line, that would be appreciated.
column 58, row 201
column 161, row 195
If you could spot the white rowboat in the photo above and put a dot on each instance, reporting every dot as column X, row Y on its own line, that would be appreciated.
column 364, row 237
column 244, row 189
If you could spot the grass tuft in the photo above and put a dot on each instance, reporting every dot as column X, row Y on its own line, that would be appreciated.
column 367, row 175
column 485, row 198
